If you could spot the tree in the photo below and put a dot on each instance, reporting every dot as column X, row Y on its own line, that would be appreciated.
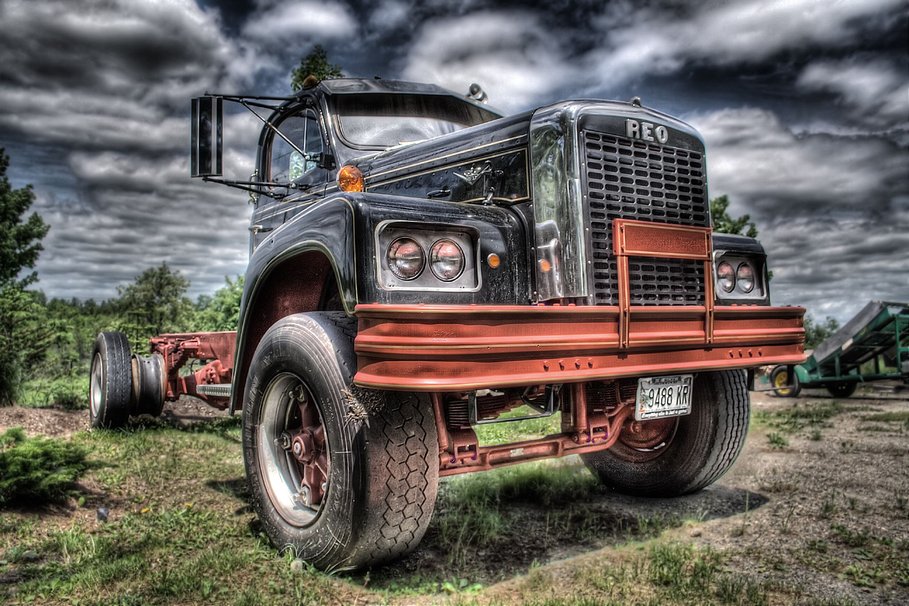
column 23, row 332
column 156, row 301
column 725, row 224
column 25, row 336
column 314, row 64
column 816, row 333
column 221, row 311
column 20, row 241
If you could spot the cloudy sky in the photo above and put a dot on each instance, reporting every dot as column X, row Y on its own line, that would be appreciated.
column 804, row 105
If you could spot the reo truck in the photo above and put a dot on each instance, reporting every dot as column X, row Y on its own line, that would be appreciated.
column 421, row 265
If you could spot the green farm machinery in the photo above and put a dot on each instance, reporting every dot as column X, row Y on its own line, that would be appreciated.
column 872, row 346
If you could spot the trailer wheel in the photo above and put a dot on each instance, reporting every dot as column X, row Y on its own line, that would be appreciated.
column 110, row 388
column 694, row 451
column 842, row 390
column 779, row 378
column 344, row 477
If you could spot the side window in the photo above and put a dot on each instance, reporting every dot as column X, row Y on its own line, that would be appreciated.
column 288, row 164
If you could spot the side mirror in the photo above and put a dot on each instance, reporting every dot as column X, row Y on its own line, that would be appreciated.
column 205, row 146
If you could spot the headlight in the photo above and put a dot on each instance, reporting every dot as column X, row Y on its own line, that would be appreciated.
column 446, row 259
column 744, row 277
column 405, row 258
column 725, row 277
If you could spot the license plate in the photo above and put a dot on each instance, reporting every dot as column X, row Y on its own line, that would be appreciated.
column 660, row 397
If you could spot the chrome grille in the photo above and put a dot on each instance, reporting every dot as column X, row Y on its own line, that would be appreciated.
column 629, row 179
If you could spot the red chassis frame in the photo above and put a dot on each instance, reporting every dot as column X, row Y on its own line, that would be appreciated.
column 450, row 351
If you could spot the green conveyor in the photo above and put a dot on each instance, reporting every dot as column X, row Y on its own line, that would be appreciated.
column 872, row 346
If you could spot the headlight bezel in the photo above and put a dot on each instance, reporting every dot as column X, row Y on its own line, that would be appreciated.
column 758, row 294
column 427, row 235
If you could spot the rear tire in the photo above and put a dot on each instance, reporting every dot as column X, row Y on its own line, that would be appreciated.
column 110, row 388
column 367, row 491
column 702, row 447
column 779, row 378
column 842, row 390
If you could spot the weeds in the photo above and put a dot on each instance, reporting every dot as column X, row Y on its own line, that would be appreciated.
column 777, row 440
column 802, row 416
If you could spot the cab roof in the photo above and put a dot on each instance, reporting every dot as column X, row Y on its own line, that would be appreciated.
column 348, row 86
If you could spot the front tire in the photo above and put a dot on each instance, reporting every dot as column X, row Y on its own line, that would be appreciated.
column 111, row 383
column 342, row 476
column 697, row 449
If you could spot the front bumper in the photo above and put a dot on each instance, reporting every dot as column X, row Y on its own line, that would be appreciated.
column 466, row 347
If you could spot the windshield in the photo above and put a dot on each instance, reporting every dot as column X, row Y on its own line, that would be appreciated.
column 383, row 121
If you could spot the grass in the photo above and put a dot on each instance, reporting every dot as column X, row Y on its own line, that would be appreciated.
column 180, row 531
column 515, row 431
column 777, row 440
column 801, row 417
column 658, row 572
column 894, row 416
column 38, row 470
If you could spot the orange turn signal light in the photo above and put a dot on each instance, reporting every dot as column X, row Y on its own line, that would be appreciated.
column 493, row 260
column 351, row 179
column 545, row 266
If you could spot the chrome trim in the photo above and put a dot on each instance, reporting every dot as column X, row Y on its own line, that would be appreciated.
column 760, row 292
column 560, row 224
column 557, row 204
column 426, row 234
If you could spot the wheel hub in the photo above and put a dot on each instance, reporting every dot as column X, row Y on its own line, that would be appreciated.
column 648, row 434
column 294, row 450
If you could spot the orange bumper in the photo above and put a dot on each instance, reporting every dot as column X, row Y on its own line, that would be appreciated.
column 458, row 347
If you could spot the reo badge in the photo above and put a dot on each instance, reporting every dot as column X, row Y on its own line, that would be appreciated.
column 646, row 131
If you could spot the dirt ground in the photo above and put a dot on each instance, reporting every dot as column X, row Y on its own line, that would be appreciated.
column 817, row 505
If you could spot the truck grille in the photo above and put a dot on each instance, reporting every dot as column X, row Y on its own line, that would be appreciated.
column 629, row 179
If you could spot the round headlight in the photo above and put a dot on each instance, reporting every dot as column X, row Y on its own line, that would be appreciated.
column 744, row 277
column 725, row 276
column 405, row 258
column 446, row 260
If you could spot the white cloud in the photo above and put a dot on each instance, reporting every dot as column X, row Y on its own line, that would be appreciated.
column 390, row 14
column 280, row 22
column 510, row 54
column 877, row 90
column 640, row 41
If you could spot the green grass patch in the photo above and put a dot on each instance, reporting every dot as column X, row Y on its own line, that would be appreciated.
column 179, row 530
column 515, row 431
column 894, row 416
column 776, row 440
column 656, row 573
column 38, row 470
column 800, row 416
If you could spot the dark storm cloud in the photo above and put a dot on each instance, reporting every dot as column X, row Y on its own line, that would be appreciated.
column 804, row 105
column 94, row 114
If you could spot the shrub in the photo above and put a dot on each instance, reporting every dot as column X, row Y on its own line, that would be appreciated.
column 38, row 469
column 69, row 392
